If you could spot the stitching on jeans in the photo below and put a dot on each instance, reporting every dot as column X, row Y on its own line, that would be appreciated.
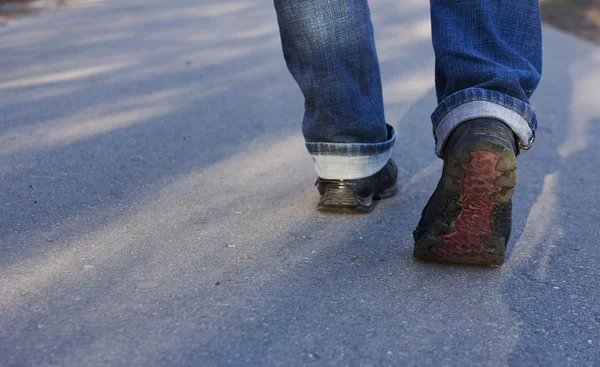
column 390, row 141
column 349, row 154
column 317, row 151
column 353, row 145
column 380, row 148
column 512, row 108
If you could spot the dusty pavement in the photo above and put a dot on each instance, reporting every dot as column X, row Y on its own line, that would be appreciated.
column 158, row 207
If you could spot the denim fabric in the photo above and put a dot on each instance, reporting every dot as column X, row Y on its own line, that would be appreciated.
column 351, row 161
column 490, row 51
column 329, row 49
column 488, row 63
column 477, row 102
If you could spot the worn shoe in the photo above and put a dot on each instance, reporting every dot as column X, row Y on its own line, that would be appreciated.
column 468, row 217
column 361, row 195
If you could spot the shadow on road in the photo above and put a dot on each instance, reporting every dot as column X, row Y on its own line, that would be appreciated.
column 161, row 208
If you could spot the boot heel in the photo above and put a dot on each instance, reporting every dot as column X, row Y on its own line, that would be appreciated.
column 343, row 197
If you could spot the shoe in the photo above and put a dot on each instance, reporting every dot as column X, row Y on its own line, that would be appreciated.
column 361, row 195
column 468, row 217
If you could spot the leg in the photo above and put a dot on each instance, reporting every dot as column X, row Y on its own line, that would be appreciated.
column 329, row 49
column 488, row 63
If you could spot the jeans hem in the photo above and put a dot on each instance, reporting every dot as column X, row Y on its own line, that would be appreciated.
column 481, row 103
column 353, row 149
column 351, row 161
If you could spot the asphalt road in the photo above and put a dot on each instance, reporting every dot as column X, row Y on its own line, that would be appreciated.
column 157, row 204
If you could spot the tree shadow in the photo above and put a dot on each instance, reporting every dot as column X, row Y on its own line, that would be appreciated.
column 116, row 137
column 134, row 193
column 189, row 237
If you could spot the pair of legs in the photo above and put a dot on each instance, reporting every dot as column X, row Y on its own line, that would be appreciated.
column 488, row 63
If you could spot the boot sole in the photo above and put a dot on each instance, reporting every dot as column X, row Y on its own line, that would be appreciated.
column 343, row 198
column 481, row 176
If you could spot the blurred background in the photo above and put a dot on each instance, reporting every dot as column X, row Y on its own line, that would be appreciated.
column 16, row 8
column 580, row 17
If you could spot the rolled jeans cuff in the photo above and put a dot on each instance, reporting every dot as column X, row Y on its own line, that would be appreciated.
column 475, row 103
column 351, row 161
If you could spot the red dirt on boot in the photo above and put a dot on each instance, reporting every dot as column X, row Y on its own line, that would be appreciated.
column 474, row 221
column 468, row 218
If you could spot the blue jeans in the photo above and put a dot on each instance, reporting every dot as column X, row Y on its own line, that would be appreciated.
column 488, row 64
